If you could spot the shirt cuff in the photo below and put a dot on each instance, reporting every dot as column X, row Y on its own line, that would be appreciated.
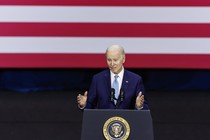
column 139, row 108
column 81, row 107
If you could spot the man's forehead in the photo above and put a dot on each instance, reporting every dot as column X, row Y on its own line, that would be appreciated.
column 112, row 56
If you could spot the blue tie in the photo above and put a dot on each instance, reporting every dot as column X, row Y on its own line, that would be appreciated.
column 116, row 87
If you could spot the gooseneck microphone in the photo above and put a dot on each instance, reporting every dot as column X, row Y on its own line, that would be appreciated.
column 122, row 92
column 112, row 95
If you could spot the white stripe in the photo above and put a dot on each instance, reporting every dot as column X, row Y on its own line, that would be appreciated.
column 104, row 14
column 99, row 45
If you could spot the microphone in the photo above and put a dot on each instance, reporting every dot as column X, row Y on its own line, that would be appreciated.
column 112, row 95
column 122, row 92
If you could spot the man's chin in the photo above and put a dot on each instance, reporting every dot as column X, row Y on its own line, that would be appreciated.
column 114, row 71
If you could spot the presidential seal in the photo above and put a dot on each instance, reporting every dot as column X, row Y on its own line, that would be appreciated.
column 116, row 128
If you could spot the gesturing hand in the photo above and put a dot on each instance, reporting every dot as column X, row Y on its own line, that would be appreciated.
column 139, row 100
column 82, row 99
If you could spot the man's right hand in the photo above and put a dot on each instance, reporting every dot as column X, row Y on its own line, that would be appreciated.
column 81, row 100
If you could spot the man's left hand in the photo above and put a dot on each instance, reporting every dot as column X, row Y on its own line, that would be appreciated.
column 139, row 101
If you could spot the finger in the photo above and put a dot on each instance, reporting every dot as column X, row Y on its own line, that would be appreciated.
column 78, row 95
column 142, row 98
column 85, row 94
column 140, row 93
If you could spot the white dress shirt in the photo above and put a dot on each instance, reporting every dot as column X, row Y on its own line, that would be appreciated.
column 119, row 79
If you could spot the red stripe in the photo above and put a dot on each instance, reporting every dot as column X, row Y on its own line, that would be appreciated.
column 98, row 61
column 109, row 2
column 105, row 29
column 194, row 61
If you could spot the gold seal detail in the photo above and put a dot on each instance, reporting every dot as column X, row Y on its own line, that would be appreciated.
column 116, row 128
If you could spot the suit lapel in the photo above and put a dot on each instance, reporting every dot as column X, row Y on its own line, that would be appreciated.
column 107, row 81
column 108, row 85
column 125, row 81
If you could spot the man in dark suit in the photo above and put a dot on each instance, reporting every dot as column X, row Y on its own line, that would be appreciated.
column 116, row 87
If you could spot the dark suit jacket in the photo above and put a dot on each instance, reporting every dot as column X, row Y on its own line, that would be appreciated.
column 100, row 90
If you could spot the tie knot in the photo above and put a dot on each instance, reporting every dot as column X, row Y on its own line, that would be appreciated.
column 116, row 76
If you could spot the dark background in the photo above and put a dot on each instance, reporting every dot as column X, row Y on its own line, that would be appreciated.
column 40, row 104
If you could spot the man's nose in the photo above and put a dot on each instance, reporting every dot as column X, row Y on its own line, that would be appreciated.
column 112, row 63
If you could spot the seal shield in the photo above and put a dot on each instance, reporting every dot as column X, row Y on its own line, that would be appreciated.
column 116, row 128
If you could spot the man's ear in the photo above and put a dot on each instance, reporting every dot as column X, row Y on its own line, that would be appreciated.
column 124, row 59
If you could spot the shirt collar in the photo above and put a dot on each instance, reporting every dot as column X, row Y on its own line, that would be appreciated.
column 119, row 74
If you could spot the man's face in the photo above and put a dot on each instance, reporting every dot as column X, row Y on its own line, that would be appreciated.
column 115, row 60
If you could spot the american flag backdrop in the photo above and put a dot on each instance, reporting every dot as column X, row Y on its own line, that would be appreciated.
column 76, row 33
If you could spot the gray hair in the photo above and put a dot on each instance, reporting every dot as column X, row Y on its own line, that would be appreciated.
column 116, row 47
